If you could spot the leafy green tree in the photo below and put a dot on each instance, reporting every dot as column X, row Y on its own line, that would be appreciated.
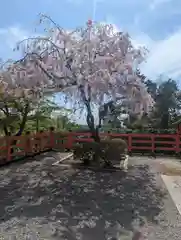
column 152, row 88
column 110, row 114
column 41, row 116
column 167, row 104
column 13, row 114
column 63, row 123
column 166, row 109
column 19, row 115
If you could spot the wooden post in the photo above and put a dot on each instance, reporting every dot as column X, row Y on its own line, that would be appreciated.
column 177, row 139
column 69, row 140
column 8, row 149
column 177, row 143
column 41, row 142
column 153, row 143
column 129, row 143
column 109, row 135
column 28, row 144
column 52, row 138
column 179, row 128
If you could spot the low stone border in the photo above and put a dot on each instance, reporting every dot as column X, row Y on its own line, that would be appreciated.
column 173, row 185
column 170, row 169
column 66, row 157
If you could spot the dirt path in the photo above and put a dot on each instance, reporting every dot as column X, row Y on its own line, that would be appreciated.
column 40, row 200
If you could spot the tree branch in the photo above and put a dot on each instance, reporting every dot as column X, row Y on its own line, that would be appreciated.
column 46, row 40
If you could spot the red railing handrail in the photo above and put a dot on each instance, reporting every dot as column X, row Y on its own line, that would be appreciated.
column 38, row 142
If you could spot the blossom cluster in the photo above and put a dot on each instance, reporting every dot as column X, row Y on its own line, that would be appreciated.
column 100, row 60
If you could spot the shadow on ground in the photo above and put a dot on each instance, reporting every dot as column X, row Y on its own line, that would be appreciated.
column 38, row 199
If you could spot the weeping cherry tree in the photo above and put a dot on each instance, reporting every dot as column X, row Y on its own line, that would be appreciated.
column 90, row 65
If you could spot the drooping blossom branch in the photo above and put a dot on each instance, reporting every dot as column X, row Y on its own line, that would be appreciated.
column 95, row 63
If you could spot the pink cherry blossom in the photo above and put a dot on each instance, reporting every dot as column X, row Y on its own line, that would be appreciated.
column 96, row 58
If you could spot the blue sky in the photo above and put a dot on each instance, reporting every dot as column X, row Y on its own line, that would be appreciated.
column 153, row 23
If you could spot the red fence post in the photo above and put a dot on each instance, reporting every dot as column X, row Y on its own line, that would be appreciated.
column 129, row 143
column 153, row 143
column 69, row 140
column 52, row 137
column 28, row 145
column 177, row 139
column 41, row 148
column 8, row 148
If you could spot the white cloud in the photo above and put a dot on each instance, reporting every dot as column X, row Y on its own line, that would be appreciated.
column 164, row 57
column 8, row 39
column 142, row 39
column 12, row 35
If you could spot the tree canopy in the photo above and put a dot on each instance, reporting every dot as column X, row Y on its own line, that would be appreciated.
column 91, row 65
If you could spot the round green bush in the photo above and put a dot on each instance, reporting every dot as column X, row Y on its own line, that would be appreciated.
column 106, row 149
column 113, row 149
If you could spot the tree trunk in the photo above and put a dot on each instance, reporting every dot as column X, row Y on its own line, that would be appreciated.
column 37, row 124
column 94, row 130
column 24, row 119
column 5, row 130
column 164, row 121
column 90, row 119
column 90, row 122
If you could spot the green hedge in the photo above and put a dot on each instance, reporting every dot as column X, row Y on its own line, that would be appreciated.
column 146, row 130
column 107, row 150
column 126, row 130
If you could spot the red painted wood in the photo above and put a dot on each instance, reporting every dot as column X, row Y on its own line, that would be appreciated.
column 39, row 142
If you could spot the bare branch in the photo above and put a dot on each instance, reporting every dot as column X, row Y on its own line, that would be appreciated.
column 51, row 20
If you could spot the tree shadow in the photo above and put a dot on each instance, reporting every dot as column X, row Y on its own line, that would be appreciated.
column 77, row 204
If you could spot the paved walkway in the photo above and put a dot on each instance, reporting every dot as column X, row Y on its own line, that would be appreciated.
column 173, row 184
column 40, row 200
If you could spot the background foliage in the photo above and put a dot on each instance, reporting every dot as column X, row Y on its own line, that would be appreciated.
column 19, row 115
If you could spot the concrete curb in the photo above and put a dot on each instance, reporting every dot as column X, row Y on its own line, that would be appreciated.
column 63, row 159
column 173, row 185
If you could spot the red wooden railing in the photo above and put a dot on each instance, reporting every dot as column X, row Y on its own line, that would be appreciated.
column 14, row 147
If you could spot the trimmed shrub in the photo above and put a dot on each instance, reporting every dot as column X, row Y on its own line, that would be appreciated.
column 113, row 149
column 107, row 150
column 86, row 151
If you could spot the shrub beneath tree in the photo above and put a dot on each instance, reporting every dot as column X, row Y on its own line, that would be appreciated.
column 103, row 153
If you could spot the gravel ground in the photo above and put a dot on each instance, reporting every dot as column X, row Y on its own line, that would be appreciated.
column 42, row 201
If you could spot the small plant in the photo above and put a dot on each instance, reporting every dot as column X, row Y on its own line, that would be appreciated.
column 112, row 150
column 85, row 151
column 106, row 151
